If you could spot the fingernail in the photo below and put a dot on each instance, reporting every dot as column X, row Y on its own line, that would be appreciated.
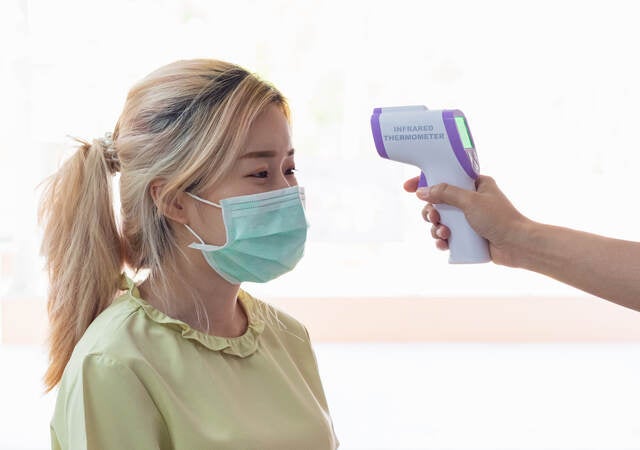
column 440, row 233
column 423, row 192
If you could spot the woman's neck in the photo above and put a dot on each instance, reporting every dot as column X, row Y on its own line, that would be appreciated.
column 198, row 296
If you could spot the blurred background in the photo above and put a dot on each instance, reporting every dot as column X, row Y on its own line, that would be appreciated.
column 414, row 353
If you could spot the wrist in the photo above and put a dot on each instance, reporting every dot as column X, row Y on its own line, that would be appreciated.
column 521, row 242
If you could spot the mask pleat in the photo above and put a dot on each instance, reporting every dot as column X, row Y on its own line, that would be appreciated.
column 266, row 236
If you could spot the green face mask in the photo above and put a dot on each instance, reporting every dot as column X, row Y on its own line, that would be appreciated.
column 266, row 234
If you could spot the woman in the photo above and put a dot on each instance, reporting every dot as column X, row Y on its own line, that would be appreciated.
column 186, row 359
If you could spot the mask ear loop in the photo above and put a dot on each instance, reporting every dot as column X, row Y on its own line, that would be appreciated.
column 195, row 234
column 203, row 201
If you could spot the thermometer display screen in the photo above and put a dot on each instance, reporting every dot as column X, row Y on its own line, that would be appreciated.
column 463, row 132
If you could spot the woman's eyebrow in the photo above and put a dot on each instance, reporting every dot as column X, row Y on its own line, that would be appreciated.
column 264, row 154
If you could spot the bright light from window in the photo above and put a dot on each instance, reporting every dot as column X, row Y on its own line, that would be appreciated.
column 550, row 98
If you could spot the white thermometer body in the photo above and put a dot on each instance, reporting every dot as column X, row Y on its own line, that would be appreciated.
column 440, row 144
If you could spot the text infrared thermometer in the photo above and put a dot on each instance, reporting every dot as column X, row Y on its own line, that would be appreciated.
column 440, row 144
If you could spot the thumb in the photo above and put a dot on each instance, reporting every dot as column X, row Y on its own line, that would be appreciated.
column 412, row 184
column 447, row 194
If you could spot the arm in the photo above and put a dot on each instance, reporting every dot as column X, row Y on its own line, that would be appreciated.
column 108, row 408
column 608, row 268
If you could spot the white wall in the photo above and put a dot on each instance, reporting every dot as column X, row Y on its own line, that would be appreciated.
column 549, row 88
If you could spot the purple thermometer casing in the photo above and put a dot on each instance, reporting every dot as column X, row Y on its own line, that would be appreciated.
column 467, row 158
column 440, row 143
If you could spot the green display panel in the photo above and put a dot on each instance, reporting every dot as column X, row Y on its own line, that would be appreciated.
column 463, row 131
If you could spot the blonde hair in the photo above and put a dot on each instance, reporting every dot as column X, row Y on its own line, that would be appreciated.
column 186, row 124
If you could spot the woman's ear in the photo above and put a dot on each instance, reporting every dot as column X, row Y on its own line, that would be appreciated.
column 171, row 208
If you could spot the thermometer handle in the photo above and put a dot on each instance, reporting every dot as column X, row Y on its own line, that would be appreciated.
column 465, row 245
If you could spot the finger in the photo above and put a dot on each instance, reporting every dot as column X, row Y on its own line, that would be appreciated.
column 433, row 215
column 443, row 232
column 445, row 193
column 434, row 232
column 440, row 232
column 425, row 213
column 430, row 214
column 441, row 244
column 412, row 184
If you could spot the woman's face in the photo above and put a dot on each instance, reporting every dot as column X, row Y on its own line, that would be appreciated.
column 266, row 164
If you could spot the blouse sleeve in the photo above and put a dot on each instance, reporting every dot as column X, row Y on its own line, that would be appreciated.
column 110, row 408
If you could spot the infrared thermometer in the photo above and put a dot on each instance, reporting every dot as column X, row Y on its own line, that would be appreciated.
column 440, row 144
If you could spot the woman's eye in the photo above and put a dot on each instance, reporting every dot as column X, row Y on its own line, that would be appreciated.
column 265, row 173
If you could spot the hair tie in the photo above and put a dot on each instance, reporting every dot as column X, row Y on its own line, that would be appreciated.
column 109, row 153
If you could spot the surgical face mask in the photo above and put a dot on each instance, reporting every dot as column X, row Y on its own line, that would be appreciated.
column 266, row 234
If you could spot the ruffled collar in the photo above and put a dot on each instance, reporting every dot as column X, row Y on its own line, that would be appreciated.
column 241, row 346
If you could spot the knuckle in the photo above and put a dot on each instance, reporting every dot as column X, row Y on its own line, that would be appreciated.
column 441, row 188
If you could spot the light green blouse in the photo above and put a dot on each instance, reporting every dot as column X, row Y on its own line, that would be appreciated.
column 139, row 379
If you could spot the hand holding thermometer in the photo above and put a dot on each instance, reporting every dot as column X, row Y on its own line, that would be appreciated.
column 439, row 143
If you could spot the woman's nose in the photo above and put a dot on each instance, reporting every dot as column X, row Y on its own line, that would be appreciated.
column 281, row 182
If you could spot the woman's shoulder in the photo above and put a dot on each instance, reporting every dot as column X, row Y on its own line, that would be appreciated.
column 116, row 333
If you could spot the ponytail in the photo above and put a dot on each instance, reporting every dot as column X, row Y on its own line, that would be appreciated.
column 82, row 248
